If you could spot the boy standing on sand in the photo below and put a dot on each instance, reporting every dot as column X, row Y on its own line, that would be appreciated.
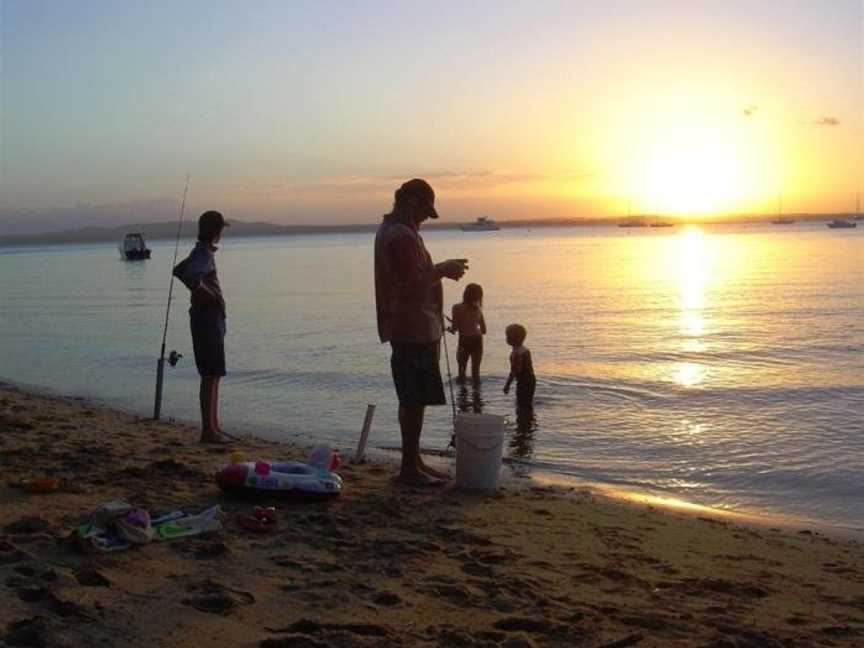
column 207, row 319
column 521, row 367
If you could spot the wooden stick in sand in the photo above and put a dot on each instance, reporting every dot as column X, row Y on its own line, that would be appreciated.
column 364, row 434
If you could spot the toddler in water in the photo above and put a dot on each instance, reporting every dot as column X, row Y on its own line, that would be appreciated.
column 468, row 321
column 521, row 367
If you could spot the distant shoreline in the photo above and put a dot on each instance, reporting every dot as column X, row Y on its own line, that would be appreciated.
column 168, row 230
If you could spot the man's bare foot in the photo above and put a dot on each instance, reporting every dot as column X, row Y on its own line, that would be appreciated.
column 432, row 472
column 227, row 435
column 420, row 479
column 213, row 438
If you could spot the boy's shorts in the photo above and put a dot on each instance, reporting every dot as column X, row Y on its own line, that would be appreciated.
column 208, row 341
column 525, row 386
column 416, row 374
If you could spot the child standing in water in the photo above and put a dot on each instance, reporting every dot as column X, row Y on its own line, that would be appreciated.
column 468, row 321
column 521, row 367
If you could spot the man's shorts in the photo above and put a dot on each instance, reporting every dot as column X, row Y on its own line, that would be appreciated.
column 416, row 374
column 208, row 340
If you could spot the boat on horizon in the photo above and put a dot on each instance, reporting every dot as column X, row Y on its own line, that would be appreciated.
column 133, row 247
column 839, row 223
column 482, row 224
column 781, row 219
column 662, row 224
column 632, row 223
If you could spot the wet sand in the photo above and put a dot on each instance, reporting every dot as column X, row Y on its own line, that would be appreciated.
column 384, row 566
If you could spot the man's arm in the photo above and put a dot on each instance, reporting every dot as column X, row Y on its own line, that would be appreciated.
column 405, row 255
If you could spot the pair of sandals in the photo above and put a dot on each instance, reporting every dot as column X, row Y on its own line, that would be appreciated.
column 262, row 519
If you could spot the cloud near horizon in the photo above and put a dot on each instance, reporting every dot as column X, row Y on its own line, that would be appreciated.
column 825, row 121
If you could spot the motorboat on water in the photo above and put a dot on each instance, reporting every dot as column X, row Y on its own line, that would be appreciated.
column 839, row 223
column 133, row 247
column 482, row 224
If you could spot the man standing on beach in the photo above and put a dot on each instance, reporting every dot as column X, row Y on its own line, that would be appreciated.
column 207, row 319
column 409, row 303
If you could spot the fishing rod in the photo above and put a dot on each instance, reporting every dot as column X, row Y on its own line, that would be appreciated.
column 450, row 382
column 174, row 356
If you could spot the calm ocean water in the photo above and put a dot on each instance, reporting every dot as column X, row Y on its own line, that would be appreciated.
column 720, row 365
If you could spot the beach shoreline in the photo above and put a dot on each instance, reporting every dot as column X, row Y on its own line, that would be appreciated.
column 384, row 566
column 566, row 482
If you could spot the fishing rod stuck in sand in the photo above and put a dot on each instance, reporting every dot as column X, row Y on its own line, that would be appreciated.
column 173, row 357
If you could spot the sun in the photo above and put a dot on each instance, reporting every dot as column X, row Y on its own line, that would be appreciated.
column 692, row 171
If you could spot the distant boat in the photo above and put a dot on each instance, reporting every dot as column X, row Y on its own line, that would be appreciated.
column 781, row 219
column 482, row 224
column 662, row 224
column 839, row 223
column 632, row 223
column 133, row 248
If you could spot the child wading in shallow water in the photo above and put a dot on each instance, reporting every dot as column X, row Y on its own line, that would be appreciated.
column 521, row 367
column 468, row 321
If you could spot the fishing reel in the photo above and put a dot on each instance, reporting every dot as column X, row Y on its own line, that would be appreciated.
column 174, row 358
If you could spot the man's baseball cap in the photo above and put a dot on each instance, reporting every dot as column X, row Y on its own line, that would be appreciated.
column 417, row 188
column 212, row 220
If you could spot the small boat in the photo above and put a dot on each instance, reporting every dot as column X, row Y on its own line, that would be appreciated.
column 482, row 224
column 839, row 223
column 133, row 248
column 662, row 224
column 632, row 224
column 781, row 219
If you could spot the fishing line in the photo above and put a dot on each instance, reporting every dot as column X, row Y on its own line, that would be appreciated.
column 450, row 382
column 160, row 365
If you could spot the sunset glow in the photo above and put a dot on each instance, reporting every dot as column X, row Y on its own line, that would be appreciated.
column 304, row 114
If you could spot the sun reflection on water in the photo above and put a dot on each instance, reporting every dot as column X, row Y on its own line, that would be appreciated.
column 694, row 260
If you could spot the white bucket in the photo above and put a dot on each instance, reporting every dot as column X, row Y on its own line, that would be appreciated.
column 479, row 445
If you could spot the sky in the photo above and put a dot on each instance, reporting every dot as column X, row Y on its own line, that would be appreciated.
column 314, row 112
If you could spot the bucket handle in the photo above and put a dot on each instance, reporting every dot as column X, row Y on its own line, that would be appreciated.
column 474, row 446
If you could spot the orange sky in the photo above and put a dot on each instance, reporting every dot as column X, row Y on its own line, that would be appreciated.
column 305, row 113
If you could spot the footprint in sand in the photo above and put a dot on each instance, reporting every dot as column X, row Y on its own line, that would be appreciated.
column 214, row 598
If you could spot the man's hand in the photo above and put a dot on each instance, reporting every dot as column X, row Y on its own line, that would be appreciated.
column 453, row 268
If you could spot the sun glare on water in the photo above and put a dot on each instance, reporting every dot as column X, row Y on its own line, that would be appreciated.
column 694, row 262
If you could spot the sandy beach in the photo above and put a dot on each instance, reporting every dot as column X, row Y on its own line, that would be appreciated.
column 382, row 566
